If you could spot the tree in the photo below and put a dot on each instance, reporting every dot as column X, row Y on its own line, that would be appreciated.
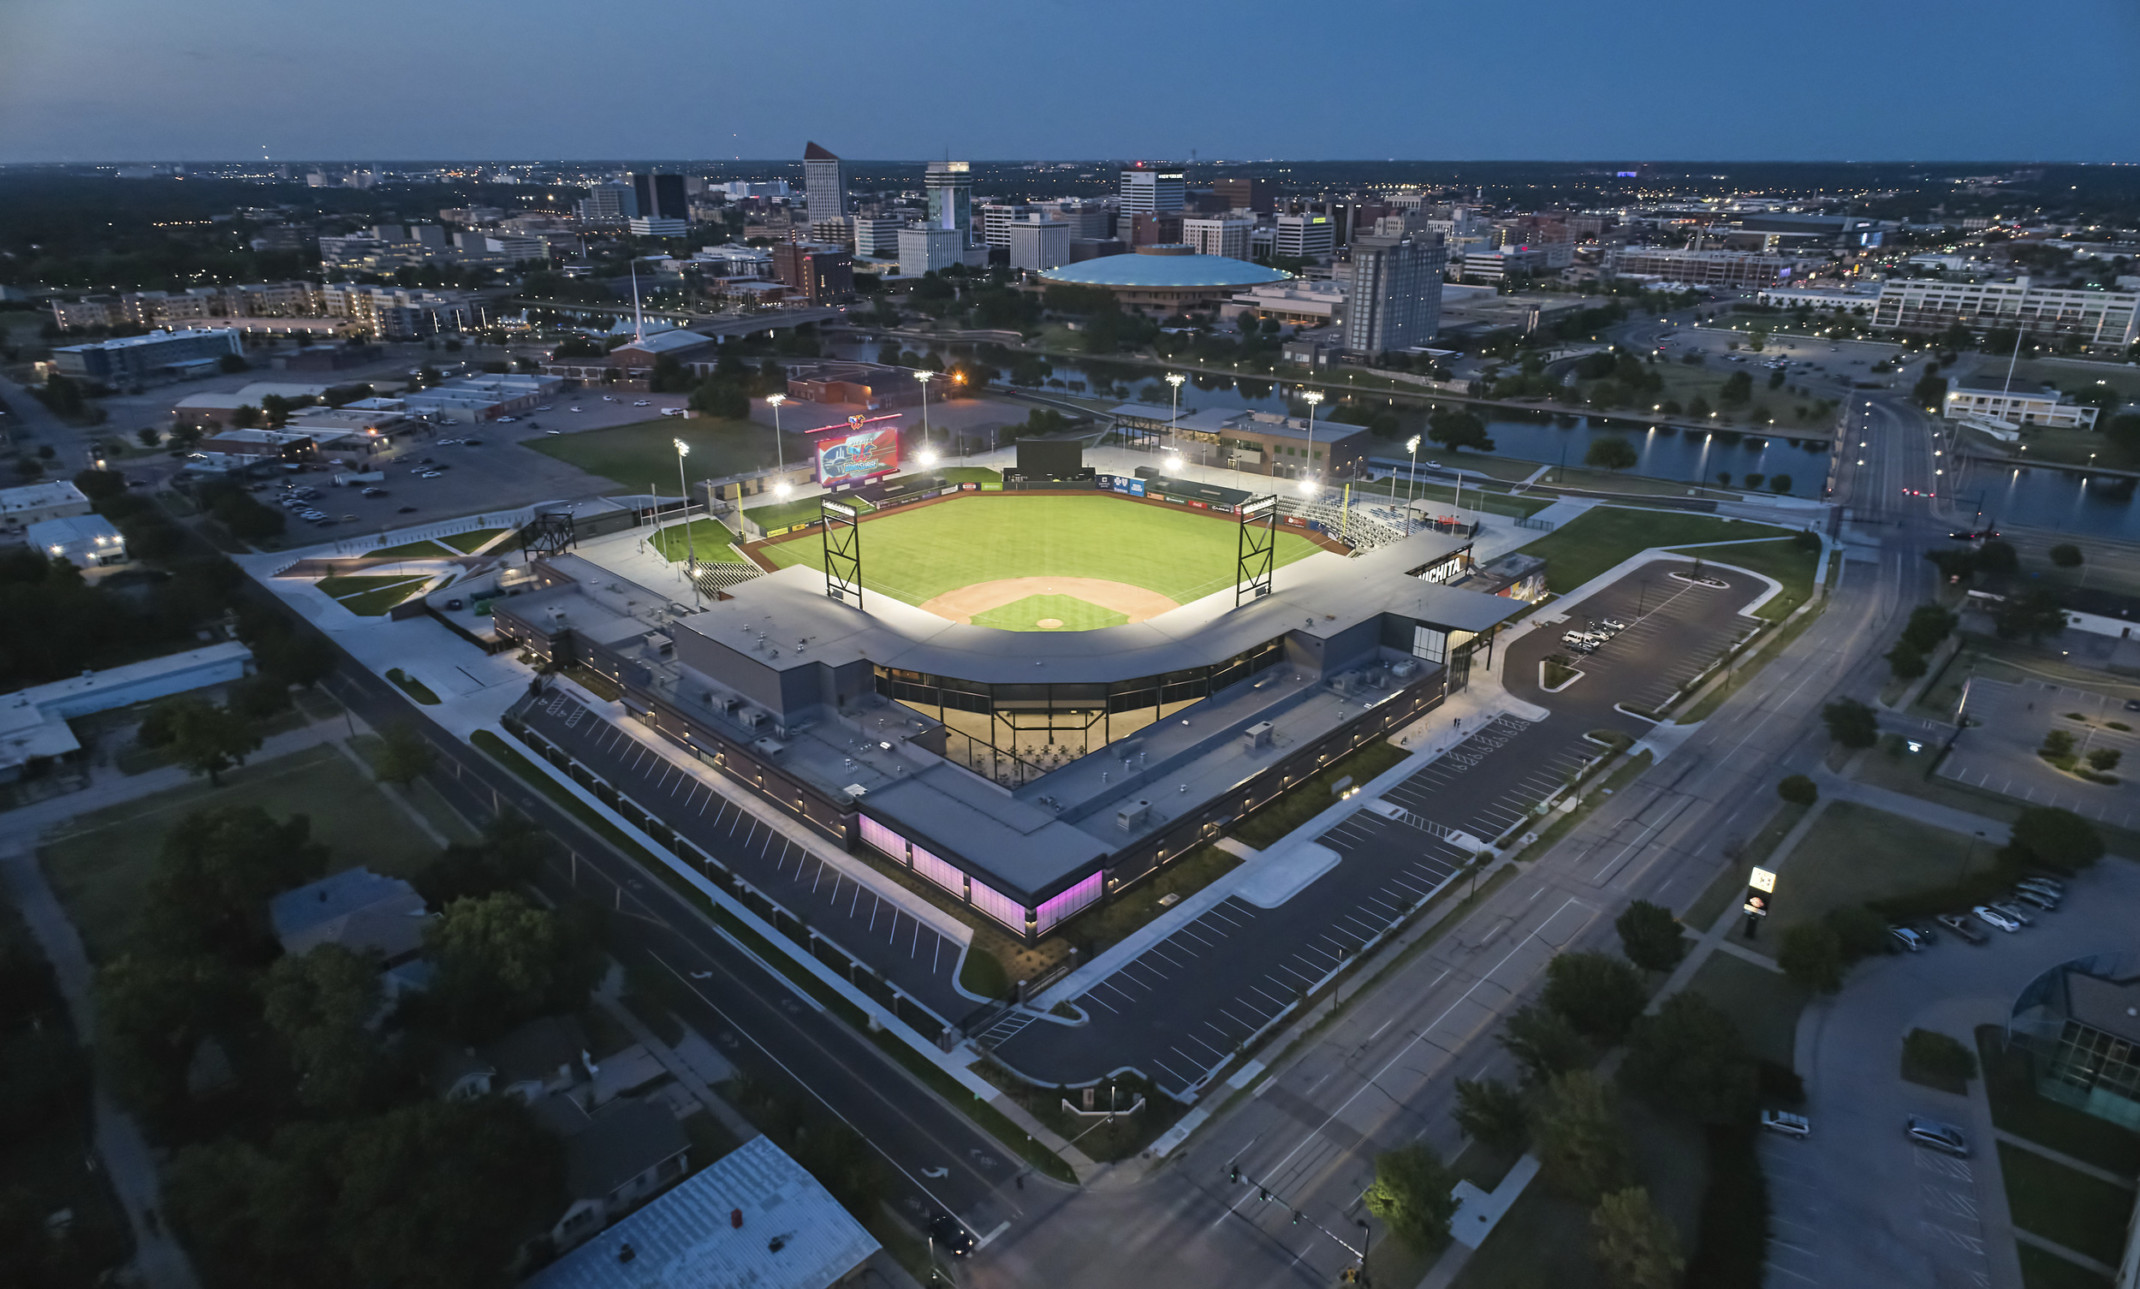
column 1650, row 936
column 1599, row 994
column 404, row 755
column 1929, row 624
column 1738, row 390
column 1688, row 1057
column 1456, row 428
column 2104, row 759
column 1798, row 790
column 102, row 485
column 1413, row 1195
column 1930, row 390
column 1779, row 483
column 1611, row 452
column 1995, row 556
column 507, row 855
column 1755, row 480
column 1812, row 955
column 152, row 1015
column 1580, row 1146
column 1492, row 1113
column 2034, row 613
column 1851, row 723
column 1723, row 478
column 217, row 870
column 435, row 1195
column 1543, row 1043
column 2066, row 555
column 148, row 436
column 2055, row 838
column 502, row 960
column 1699, row 409
column 319, row 1004
column 1905, row 662
column 207, row 739
column 1633, row 1243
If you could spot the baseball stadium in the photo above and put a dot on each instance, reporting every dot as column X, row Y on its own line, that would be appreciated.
column 1033, row 697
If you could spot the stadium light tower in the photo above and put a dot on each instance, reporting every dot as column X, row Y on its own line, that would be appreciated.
column 1175, row 379
column 925, row 377
column 683, row 450
column 1312, row 398
column 780, row 453
column 1412, row 446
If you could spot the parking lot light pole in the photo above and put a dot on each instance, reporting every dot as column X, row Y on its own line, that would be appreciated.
column 683, row 450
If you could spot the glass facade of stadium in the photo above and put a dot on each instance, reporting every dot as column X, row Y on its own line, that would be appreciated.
column 1013, row 734
column 2079, row 1024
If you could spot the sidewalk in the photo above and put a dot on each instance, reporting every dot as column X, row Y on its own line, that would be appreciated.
column 128, row 1159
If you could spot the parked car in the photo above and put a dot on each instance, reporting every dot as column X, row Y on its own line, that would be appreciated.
column 546, row 407
column 1925, row 934
column 2013, row 911
column 432, row 474
column 1992, row 917
column 574, row 409
column 1962, row 927
column 374, row 492
column 406, row 510
column 640, row 403
column 2050, row 886
column 507, row 420
column 1905, row 939
column 553, row 431
column 1786, row 1123
column 1932, row 1133
column 2030, row 895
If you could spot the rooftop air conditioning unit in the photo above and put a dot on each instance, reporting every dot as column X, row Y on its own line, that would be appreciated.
column 752, row 718
column 1256, row 736
column 1403, row 668
column 1133, row 816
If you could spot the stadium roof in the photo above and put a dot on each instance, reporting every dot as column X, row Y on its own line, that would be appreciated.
column 1135, row 270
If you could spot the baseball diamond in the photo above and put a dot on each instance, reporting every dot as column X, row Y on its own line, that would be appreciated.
column 969, row 557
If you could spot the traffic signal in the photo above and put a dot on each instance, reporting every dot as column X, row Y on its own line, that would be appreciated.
column 1263, row 1194
column 1296, row 1217
column 1233, row 1174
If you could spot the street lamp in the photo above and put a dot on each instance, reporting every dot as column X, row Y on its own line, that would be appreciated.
column 1312, row 398
column 925, row 377
column 1411, row 445
column 683, row 450
column 779, row 450
column 1173, row 438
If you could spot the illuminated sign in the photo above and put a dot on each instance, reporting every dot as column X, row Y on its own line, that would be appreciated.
column 1762, row 880
column 852, row 458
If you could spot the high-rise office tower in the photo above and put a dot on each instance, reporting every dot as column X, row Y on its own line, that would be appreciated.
column 608, row 201
column 950, row 188
column 659, row 196
column 824, row 183
column 1149, row 192
column 1396, row 297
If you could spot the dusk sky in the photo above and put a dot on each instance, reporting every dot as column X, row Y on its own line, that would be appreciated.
column 95, row 80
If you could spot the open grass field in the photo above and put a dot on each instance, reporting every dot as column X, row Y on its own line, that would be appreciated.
column 1855, row 854
column 1783, row 559
column 643, row 454
column 1601, row 537
column 101, row 865
column 919, row 554
column 708, row 539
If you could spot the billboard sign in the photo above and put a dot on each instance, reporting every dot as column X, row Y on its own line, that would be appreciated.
column 853, row 458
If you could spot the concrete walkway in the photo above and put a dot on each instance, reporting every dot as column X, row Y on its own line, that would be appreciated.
column 128, row 1159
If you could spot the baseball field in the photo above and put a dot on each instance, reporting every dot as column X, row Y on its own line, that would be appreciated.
column 1044, row 563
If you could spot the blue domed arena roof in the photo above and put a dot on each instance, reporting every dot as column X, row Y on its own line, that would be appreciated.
column 1135, row 270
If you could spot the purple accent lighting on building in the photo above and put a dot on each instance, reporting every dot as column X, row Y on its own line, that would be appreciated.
column 883, row 838
column 999, row 906
column 1077, row 897
column 945, row 875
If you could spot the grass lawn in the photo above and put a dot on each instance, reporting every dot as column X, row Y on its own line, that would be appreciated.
column 360, row 583
column 788, row 514
column 1783, row 559
column 1724, row 891
column 470, row 542
column 1855, row 854
column 409, row 550
column 923, row 552
column 1104, row 924
column 2043, row 1270
column 2086, row 1214
column 1067, row 612
column 643, row 455
column 1312, row 795
column 1764, row 1003
column 709, row 539
column 101, row 864
column 2016, row 1108
column 413, row 687
column 1601, row 537
column 373, row 603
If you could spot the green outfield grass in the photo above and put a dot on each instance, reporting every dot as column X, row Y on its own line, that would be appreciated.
column 710, row 540
column 918, row 554
column 1027, row 614
column 411, row 550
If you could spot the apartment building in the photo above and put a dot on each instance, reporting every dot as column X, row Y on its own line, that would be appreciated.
column 1395, row 301
column 1747, row 269
column 2097, row 319
column 397, row 313
column 1304, row 237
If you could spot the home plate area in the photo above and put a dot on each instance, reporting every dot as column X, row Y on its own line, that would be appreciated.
column 1049, row 604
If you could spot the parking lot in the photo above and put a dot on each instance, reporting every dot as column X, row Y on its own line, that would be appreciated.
column 1855, row 1204
column 2007, row 726
column 1675, row 629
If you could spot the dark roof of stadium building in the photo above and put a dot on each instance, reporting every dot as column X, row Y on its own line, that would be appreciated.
column 1157, row 272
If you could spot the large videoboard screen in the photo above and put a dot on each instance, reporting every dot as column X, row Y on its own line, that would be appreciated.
column 852, row 458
